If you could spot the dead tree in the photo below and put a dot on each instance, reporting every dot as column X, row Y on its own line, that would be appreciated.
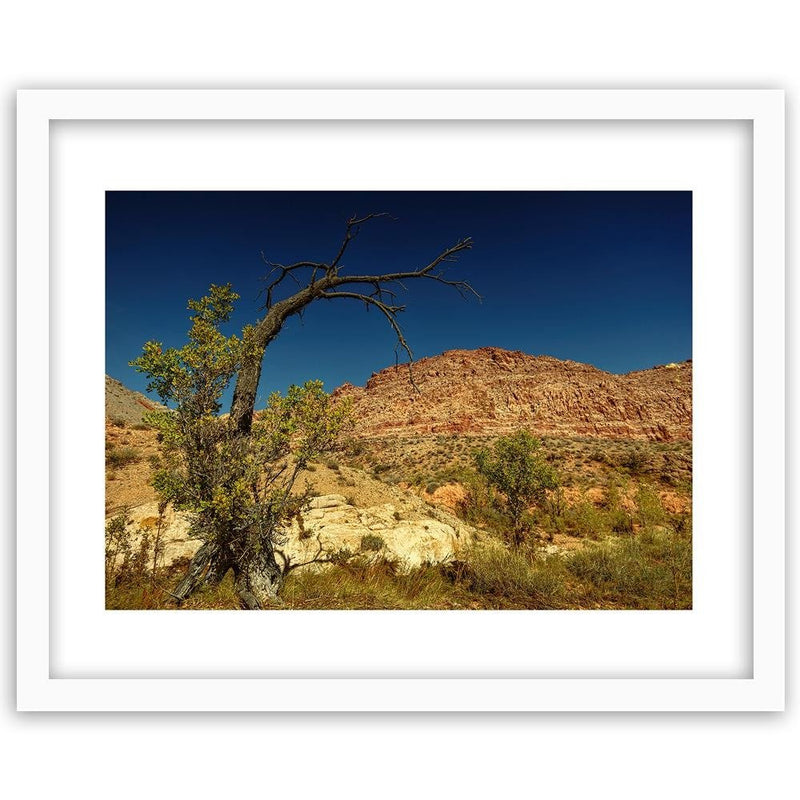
column 329, row 281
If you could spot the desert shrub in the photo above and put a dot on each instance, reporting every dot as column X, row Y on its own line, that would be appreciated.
column 599, row 457
column 141, row 426
column 616, row 515
column 555, row 505
column 648, row 504
column 332, row 463
column 126, row 560
column 516, row 467
column 586, row 521
column 118, row 422
column 372, row 543
column 620, row 521
column 681, row 523
column 122, row 456
column 636, row 460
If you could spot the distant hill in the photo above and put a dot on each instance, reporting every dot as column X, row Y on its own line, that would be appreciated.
column 125, row 404
column 496, row 391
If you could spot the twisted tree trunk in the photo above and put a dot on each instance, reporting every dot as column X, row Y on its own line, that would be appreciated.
column 196, row 572
column 259, row 580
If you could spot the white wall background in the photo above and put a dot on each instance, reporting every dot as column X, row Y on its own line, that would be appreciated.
column 616, row 43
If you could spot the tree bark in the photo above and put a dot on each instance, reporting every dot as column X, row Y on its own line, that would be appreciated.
column 196, row 571
column 244, row 395
column 259, row 580
column 249, row 374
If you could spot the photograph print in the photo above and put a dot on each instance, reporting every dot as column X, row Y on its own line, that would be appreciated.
column 422, row 400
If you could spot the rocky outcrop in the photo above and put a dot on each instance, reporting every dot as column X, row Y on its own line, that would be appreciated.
column 495, row 391
column 409, row 532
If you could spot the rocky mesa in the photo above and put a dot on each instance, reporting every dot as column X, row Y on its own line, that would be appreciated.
column 496, row 391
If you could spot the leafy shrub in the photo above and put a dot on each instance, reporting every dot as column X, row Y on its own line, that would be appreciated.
column 517, row 468
column 619, row 521
column 372, row 543
column 586, row 521
column 636, row 461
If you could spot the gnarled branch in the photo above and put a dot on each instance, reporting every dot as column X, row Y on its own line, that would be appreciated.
column 323, row 281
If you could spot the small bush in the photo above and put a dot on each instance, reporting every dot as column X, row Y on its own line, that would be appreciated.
column 648, row 504
column 372, row 543
column 586, row 521
column 517, row 468
column 620, row 521
column 122, row 456
column 636, row 461
column 118, row 422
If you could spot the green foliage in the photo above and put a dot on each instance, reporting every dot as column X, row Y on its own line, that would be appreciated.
column 517, row 468
column 127, row 560
column 238, row 488
column 637, row 460
column 371, row 542
column 650, row 510
column 585, row 520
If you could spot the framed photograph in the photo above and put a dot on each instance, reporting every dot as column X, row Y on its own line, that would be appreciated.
column 388, row 400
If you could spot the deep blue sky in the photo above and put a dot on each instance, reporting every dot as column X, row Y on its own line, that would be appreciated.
column 598, row 277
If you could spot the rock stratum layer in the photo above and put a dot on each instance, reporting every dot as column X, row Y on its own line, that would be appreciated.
column 495, row 391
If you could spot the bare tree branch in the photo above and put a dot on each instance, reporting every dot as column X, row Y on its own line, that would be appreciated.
column 324, row 281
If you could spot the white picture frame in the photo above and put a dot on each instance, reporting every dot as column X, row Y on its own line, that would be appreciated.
column 48, row 681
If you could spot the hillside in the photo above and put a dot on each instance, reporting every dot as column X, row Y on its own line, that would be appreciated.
column 125, row 405
column 495, row 391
